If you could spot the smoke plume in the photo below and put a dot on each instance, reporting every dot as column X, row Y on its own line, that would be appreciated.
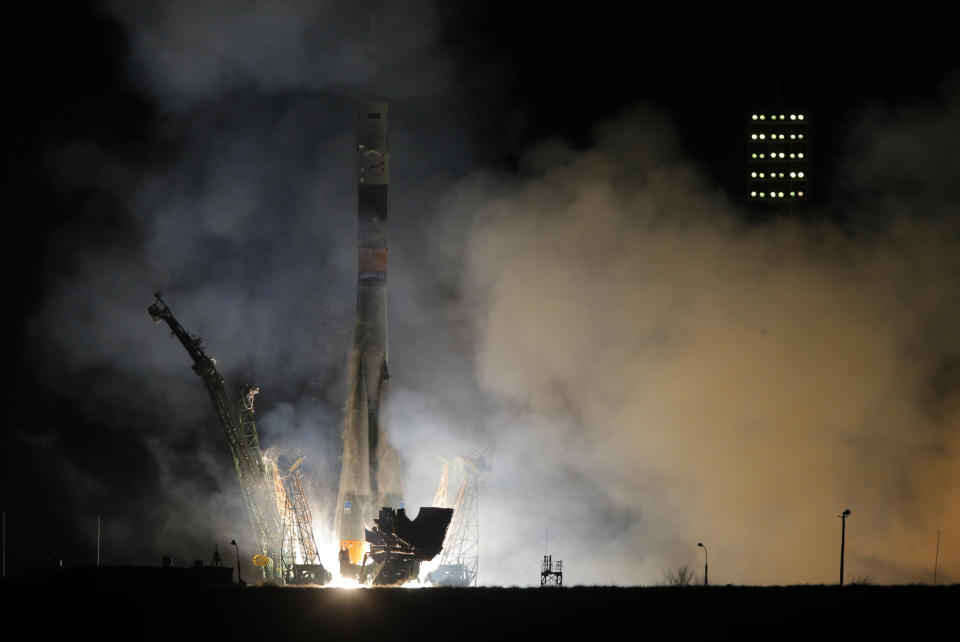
column 645, row 368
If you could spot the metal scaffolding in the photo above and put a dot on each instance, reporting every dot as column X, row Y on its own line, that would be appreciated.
column 267, row 495
column 299, row 557
column 551, row 573
column 460, row 561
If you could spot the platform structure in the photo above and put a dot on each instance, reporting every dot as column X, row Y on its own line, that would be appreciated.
column 459, row 564
column 551, row 573
column 300, row 559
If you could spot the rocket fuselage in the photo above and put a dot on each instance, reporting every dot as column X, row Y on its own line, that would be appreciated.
column 370, row 477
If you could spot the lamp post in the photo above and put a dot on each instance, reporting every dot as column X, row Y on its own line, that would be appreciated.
column 843, row 539
column 233, row 543
column 705, row 565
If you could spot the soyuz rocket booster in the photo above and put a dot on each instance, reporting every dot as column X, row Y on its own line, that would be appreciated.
column 370, row 476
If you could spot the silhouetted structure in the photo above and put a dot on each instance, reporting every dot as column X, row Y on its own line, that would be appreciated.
column 276, row 503
column 551, row 573
column 239, row 425
column 843, row 539
column 165, row 576
column 398, row 545
column 706, row 567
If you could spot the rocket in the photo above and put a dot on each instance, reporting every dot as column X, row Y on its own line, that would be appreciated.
column 370, row 474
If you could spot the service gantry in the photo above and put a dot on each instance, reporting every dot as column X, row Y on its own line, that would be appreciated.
column 238, row 420
column 460, row 561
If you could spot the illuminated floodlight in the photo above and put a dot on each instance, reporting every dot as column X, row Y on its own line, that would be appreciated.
column 762, row 136
column 772, row 117
column 781, row 174
column 793, row 174
column 761, row 118
column 792, row 194
column 753, row 136
column 800, row 136
column 800, row 174
column 761, row 174
column 800, row 155
column 753, row 174
column 780, row 194
column 800, row 194
column 800, row 116
column 761, row 155
column 782, row 117
column 754, row 155
column 761, row 194
column 793, row 116
column 781, row 154
column 792, row 155
column 793, row 137
column 754, row 117
column 753, row 194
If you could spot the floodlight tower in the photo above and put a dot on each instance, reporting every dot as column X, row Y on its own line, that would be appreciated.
column 778, row 160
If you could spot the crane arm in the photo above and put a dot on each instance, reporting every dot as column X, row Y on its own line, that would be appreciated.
column 202, row 364
column 239, row 425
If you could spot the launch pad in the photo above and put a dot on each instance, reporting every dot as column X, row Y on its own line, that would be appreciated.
column 397, row 545
column 384, row 548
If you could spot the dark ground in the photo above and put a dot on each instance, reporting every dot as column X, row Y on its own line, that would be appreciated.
column 231, row 612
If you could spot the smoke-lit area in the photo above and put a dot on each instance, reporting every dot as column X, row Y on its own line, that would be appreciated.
column 674, row 376
column 644, row 368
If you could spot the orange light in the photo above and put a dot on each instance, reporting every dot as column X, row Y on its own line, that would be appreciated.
column 355, row 547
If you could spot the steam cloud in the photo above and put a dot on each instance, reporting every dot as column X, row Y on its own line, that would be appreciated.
column 646, row 369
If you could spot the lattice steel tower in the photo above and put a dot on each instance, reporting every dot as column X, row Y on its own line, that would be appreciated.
column 551, row 573
column 299, row 556
column 239, row 424
column 460, row 561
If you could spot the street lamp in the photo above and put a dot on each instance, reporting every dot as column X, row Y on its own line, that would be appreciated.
column 233, row 543
column 843, row 539
column 705, row 566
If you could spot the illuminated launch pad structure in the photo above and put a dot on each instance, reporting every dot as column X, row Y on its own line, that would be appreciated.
column 286, row 551
column 460, row 561
column 378, row 543
column 370, row 484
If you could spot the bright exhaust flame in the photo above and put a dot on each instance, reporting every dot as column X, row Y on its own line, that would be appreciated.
column 331, row 562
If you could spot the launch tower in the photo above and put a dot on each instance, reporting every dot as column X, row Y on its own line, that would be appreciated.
column 461, row 549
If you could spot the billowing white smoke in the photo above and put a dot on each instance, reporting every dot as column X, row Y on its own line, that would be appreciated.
column 646, row 370
column 666, row 375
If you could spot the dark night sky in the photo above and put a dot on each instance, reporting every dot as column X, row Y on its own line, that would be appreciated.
column 514, row 74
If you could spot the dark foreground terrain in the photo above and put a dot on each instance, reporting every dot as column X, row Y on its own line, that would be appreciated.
column 269, row 613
